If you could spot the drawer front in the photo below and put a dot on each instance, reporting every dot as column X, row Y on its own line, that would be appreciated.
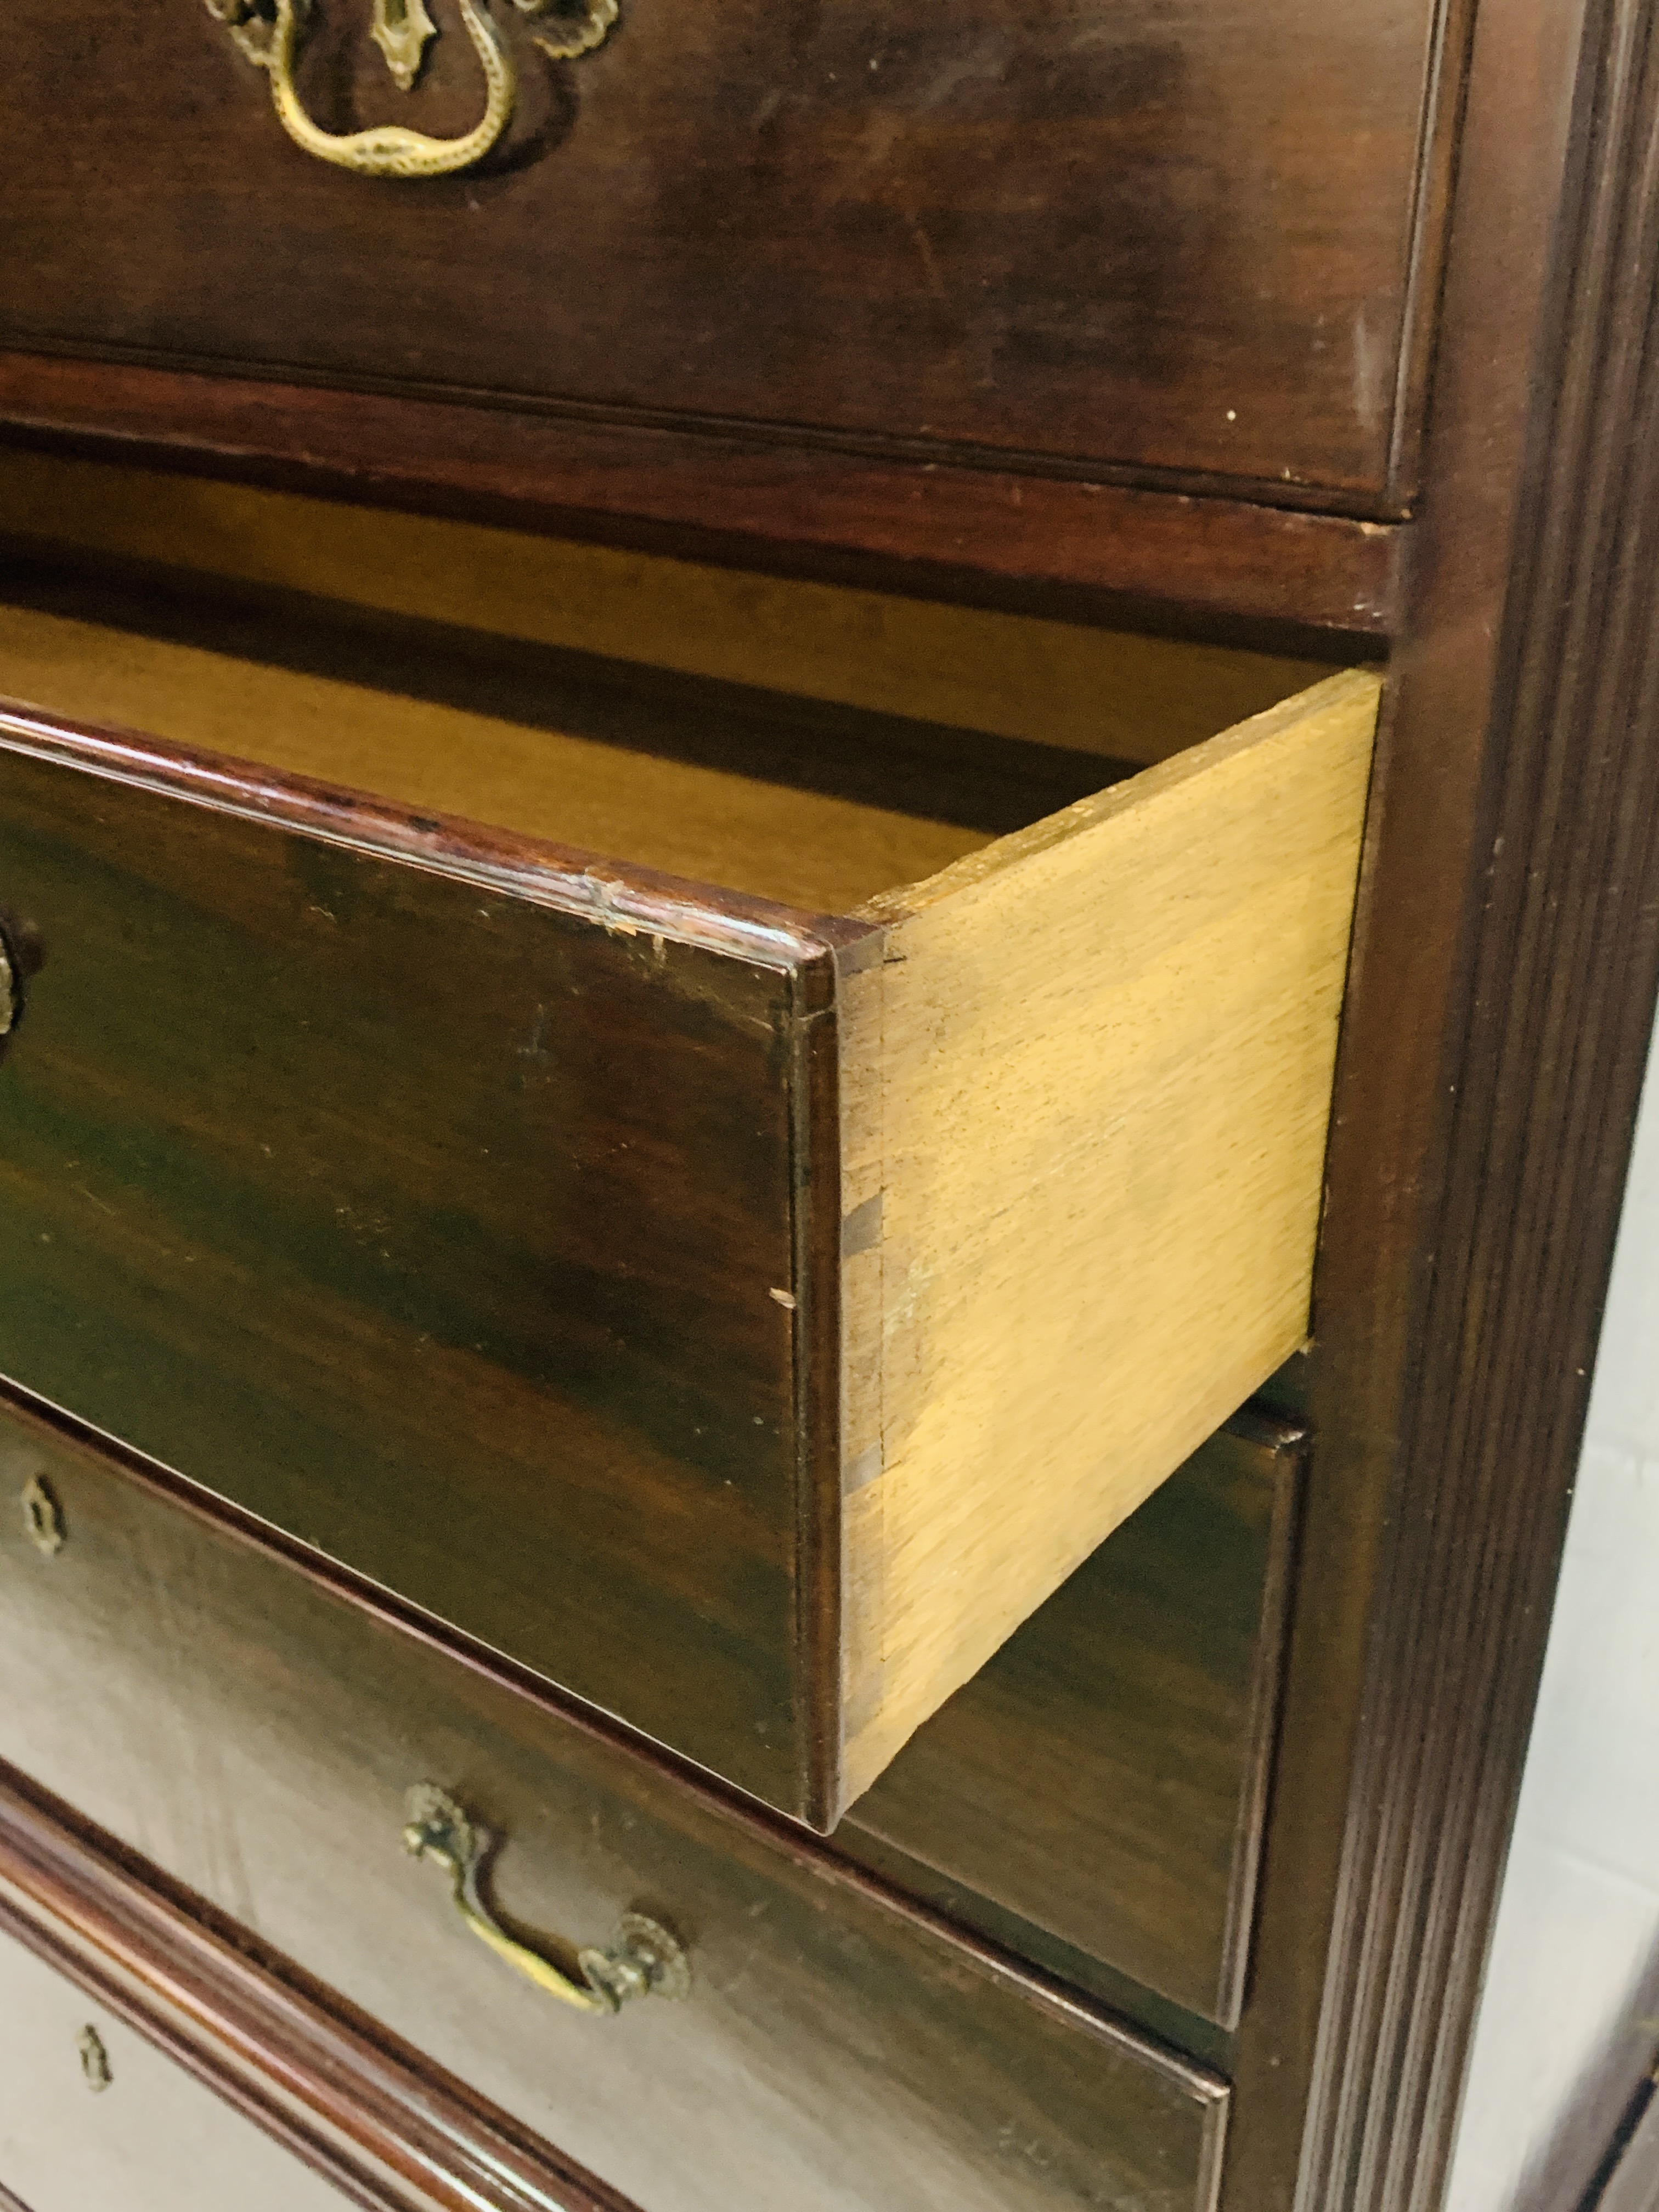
column 1105, row 1776
column 255, row 1735
column 436, row 1223
column 92, row 2115
column 1152, row 240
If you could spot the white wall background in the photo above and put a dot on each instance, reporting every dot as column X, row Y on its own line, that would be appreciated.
column 1579, row 1917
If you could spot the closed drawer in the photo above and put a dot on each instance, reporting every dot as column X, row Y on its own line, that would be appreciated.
column 256, row 1734
column 92, row 2115
column 742, row 1316
column 1144, row 241
column 1105, row 1777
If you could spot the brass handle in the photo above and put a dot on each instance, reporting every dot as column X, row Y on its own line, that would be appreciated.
column 268, row 32
column 643, row 1960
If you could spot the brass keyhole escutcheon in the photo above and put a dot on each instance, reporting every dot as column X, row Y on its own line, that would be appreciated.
column 42, row 1516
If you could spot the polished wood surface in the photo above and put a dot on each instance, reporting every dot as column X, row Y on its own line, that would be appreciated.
column 1104, row 1780
column 254, row 1732
column 1226, row 569
column 433, row 1219
column 594, row 769
column 1185, row 246
column 148, row 2139
column 1501, row 990
column 1498, row 1029
column 1106, row 1775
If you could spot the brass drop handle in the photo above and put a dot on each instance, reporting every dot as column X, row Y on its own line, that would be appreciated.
column 388, row 151
column 643, row 1960
column 269, row 32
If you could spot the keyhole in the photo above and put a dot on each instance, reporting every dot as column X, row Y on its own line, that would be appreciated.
column 94, row 2059
column 42, row 1516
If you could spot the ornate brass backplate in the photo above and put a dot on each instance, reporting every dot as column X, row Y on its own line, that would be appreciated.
column 271, row 34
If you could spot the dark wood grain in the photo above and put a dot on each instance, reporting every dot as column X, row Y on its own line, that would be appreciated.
column 558, row 878
column 1501, row 985
column 1497, row 1029
column 1105, row 1776
column 1144, row 1697
column 1166, row 244
column 430, row 1212
column 255, row 1730
column 1092, row 551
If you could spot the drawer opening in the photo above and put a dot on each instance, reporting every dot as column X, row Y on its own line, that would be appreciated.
column 816, row 805
column 800, row 1203
column 807, row 743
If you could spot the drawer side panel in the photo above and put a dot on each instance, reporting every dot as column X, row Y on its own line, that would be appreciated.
column 1108, row 1049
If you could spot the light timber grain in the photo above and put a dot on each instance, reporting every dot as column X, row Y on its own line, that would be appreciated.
column 1016, row 675
column 1106, row 1060
column 810, row 849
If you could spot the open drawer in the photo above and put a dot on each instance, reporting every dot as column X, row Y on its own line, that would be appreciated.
column 741, row 1306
